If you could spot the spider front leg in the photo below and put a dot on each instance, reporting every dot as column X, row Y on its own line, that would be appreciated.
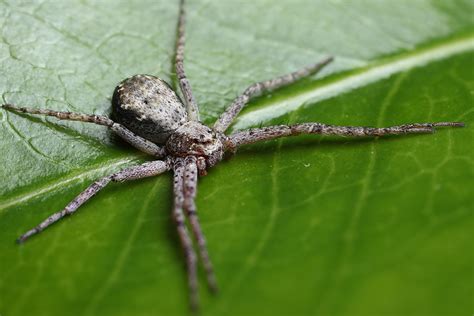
column 190, row 189
column 133, row 139
column 258, row 88
column 186, row 242
column 267, row 133
column 147, row 169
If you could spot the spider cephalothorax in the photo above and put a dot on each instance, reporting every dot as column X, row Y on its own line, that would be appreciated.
column 195, row 138
column 150, row 116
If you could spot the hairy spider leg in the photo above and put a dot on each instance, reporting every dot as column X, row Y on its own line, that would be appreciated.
column 189, row 100
column 186, row 242
column 190, row 190
column 271, row 132
column 258, row 88
column 147, row 169
column 133, row 139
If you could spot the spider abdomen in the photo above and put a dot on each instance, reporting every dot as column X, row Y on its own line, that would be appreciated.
column 149, row 107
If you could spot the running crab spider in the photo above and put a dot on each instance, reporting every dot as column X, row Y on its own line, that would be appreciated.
column 151, row 117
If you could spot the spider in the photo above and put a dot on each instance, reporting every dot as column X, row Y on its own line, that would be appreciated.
column 150, row 116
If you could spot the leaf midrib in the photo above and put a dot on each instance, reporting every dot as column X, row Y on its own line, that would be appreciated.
column 342, row 84
column 93, row 171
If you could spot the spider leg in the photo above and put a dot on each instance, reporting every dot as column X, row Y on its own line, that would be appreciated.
column 147, row 169
column 133, row 139
column 266, row 133
column 190, row 189
column 191, row 105
column 186, row 242
column 258, row 88
column 69, row 116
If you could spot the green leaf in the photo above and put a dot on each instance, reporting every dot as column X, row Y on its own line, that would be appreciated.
column 302, row 226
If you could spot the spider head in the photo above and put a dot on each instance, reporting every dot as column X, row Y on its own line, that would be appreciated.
column 195, row 138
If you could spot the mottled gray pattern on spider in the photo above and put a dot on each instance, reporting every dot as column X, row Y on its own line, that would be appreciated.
column 148, row 106
column 151, row 117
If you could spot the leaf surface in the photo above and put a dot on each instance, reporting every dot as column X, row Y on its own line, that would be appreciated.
column 308, row 225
